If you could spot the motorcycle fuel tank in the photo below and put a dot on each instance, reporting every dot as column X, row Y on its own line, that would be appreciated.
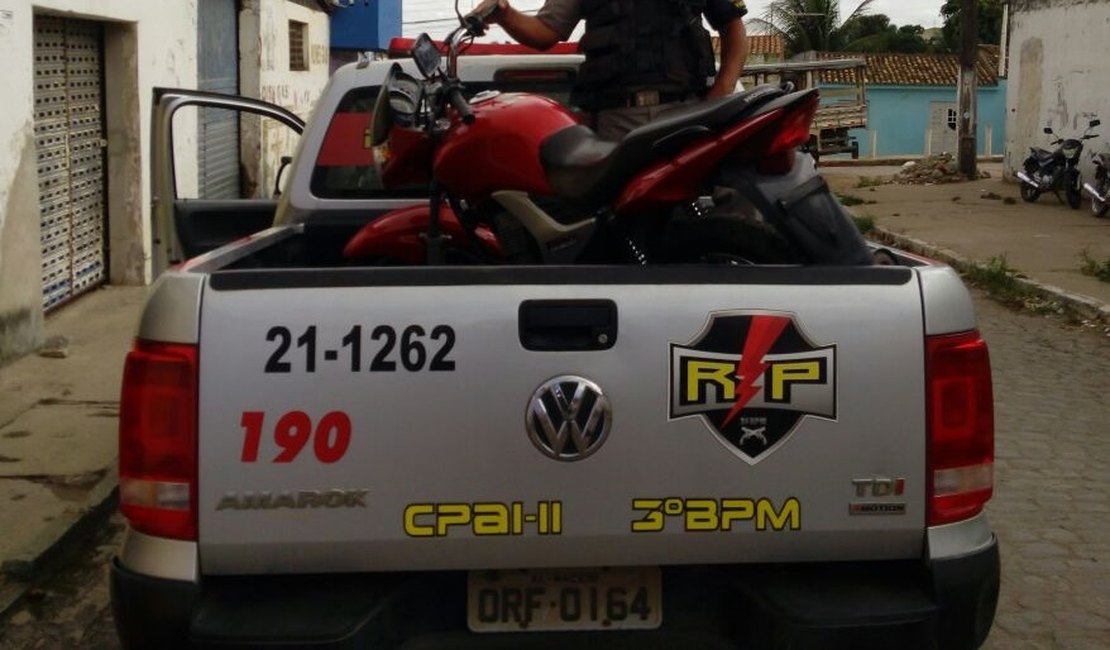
column 500, row 150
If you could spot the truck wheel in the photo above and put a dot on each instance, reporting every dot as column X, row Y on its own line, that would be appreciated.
column 1029, row 193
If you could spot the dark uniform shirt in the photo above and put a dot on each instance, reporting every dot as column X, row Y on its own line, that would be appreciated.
column 561, row 16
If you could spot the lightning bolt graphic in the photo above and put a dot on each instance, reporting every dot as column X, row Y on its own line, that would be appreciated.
column 762, row 334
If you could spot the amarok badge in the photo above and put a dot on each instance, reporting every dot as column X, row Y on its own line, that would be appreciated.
column 751, row 376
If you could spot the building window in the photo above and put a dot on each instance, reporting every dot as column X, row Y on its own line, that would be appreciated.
column 298, row 45
column 953, row 119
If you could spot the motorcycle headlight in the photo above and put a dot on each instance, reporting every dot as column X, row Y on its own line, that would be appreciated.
column 1070, row 152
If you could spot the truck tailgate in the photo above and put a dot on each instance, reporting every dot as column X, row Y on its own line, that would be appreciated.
column 364, row 420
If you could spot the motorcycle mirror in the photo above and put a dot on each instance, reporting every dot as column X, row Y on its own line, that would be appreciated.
column 1095, row 123
column 382, row 116
column 426, row 55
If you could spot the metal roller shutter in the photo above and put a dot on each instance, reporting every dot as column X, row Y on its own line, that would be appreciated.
column 69, row 140
column 218, row 71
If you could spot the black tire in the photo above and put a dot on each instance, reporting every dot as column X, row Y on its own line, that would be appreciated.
column 813, row 149
column 1029, row 193
column 1074, row 190
column 1100, row 208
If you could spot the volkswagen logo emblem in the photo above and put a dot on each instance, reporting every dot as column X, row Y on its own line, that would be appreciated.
column 568, row 418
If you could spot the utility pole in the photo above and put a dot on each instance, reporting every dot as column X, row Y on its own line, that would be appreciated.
column 969, row 57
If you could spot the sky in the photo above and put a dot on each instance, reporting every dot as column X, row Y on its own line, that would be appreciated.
column 437, row 16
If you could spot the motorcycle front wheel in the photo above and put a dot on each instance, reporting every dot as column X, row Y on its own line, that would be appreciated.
column 1100, row 208
column 1029, row 193
column 1074, row 191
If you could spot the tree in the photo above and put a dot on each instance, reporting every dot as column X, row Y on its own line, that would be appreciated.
column 868, row 26
column 875, row 33
column 990, row 23
column 810, row 24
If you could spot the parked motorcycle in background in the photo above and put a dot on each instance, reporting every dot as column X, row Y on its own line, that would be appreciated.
column 1100, row 189
column 1052, row 171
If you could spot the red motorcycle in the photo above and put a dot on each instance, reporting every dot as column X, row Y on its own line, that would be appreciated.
column 516, row 178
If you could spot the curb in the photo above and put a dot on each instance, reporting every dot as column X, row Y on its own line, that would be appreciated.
column 17, row 574
column 1073, row 304
column 889, row 161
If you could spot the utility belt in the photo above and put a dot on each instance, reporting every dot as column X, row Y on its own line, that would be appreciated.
column 642, row 98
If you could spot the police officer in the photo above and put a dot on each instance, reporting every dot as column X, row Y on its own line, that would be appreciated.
column 643, row 57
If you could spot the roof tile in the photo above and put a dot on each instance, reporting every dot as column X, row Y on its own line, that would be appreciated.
column 892, row 69
column 758, row 44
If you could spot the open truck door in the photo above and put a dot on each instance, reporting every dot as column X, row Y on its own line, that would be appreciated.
column 187, row 219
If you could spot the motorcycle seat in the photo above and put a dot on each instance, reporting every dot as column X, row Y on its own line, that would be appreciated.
column 589, row 171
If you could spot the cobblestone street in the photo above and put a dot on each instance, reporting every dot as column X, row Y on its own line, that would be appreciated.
column 1051, row 506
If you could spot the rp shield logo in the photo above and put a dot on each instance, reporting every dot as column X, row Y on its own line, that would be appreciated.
column 752, row 377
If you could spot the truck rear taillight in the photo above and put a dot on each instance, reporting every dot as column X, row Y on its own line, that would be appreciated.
column 960, row 422
column 158, row 439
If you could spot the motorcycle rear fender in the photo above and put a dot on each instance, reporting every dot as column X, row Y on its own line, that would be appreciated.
column 683, row 177
column 399, row 235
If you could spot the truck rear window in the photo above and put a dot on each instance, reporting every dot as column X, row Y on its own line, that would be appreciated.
column 345, row 164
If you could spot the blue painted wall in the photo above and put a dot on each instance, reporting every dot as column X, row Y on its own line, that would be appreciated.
column 900, row 115
column 366, row 26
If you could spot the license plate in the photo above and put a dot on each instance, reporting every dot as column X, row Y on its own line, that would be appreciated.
column 620, row 598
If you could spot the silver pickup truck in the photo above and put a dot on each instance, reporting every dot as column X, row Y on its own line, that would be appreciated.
column 318, row 454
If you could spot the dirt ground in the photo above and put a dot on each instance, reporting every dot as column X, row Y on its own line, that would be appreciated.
column 1045, row 240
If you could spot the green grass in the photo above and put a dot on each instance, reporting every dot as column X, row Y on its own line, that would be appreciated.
column 849, row 200
column 1094, row 267
column 869, row 181
column 865, row 223
column 999, row 279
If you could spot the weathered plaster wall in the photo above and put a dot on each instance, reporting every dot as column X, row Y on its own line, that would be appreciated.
column 264, row 45
column 20, row 260
column 147, row 44
column 1059, row 74
column 20, row 257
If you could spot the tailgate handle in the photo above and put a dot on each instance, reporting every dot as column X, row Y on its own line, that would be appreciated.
column 566, row 325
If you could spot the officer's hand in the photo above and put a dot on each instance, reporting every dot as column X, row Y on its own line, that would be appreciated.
column 491, row 10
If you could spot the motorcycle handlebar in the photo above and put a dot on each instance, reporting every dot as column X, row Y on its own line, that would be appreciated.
column 476, row 20
column 459, row 103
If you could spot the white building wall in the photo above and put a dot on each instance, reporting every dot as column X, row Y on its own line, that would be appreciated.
column 264, row 42
column 1059, row 74
column 146, row 44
